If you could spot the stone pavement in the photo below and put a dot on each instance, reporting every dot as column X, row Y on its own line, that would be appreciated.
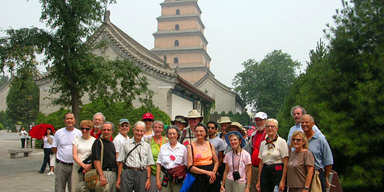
column 21, row 174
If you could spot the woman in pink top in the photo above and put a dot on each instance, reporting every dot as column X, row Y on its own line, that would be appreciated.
column 202, row 162
column 238, row 165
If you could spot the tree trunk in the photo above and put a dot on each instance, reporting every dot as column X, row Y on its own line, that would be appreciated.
column 75, row 106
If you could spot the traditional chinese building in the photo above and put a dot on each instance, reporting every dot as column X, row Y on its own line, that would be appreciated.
column 177, row 68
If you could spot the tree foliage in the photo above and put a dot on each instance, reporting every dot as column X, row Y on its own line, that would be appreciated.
column 73, row 68
column 343, row 88
column 264, row 85
column 23, row 97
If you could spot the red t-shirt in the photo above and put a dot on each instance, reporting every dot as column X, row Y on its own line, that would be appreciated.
column 256, row 141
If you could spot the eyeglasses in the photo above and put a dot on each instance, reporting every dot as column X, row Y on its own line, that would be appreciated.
column 270, row 126
column 85, row 128
column 297, row 140
column 211, row 127
column 124, row 125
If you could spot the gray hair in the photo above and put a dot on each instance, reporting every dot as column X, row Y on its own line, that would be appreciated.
column 138, row 123
column 158, row 122
column 175, row 128
column 298, row 107
column 99, row 113
column 273, row 121
column 109, row 123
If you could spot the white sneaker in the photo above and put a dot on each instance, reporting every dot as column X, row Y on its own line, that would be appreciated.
column 50, row 173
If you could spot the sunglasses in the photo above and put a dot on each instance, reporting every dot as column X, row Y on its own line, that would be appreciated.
column 296, row 140
column 211, row 127
column 85, row 128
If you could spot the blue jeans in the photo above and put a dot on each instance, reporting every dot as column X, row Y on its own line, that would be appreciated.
column 47, row 151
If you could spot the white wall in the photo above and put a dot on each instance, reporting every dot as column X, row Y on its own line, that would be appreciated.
column 180, row 106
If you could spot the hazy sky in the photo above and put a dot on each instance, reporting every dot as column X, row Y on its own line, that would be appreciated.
column 235, row 30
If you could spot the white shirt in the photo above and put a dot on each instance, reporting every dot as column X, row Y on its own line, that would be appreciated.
column 172, row 157
column 84, row 146
column 140, row 157
column 147, row 138
column 119, row 141
column 63, row 143
column 23, row 134
column 46, row 144
column 273, row 155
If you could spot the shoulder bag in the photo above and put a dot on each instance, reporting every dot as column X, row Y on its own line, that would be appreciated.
column 91, row 177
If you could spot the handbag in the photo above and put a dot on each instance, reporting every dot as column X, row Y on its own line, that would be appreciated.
column 335, row 182
column 91, row 177
column 316, row 184
column 188, row 181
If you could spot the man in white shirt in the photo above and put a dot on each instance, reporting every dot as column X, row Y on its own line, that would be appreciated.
column 62, row 146
column 134, row 162
column 122, row 137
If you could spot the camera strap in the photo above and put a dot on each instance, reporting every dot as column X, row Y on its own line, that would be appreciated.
column 233, row 163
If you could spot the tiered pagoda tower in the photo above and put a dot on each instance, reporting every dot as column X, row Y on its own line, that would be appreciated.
column 180, row 39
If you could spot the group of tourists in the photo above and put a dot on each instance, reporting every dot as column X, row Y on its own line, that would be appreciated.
column 190, row 155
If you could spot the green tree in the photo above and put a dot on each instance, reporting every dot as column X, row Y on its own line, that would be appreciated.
column 343, row 88
column 264, row 85
column 73, row 68
column 23, row 97
column 6, row 121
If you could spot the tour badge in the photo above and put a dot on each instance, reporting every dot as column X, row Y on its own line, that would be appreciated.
column 278, row 167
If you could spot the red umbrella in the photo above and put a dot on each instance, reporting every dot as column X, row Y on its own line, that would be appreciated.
column 38, row 131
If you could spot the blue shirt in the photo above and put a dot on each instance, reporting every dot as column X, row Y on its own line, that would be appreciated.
column 321, row 151
column 297, row 127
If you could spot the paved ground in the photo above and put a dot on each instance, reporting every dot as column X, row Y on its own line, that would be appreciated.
column 21, row 174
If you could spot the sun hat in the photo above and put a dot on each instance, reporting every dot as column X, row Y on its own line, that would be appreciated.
column 194, row 114
column 180, row 119
column 239, row 126
column 224, row 119
column 243, row 142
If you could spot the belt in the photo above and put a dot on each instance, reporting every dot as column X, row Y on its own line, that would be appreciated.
column 62, row 162
column 109, row 169
column 134, row 168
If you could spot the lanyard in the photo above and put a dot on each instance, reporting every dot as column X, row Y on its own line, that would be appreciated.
column 233, row 164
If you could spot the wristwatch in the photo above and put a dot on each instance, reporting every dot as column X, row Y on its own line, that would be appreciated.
column 306, row 188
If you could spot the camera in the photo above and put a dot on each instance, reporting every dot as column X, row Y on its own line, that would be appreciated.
column 236, row 175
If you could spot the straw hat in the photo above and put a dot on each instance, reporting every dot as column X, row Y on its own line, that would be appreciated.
column 240, row 127
column 224, row 119
column 194, row 114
